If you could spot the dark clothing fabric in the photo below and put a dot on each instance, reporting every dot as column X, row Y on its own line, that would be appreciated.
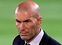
column 46, row 40
column 26, row 44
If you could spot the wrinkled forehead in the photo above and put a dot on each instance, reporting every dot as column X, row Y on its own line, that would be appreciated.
column 22, row 12
column 24, row 15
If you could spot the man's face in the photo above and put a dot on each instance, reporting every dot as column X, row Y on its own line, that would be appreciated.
column 27, row 25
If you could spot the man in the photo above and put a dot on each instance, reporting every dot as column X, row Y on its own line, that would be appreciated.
column 28, row 22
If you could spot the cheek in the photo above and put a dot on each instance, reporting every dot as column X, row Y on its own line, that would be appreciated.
column 28, row 25
column 32, row 28
column 31, row 25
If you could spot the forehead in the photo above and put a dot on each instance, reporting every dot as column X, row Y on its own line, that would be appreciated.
column 23, row 15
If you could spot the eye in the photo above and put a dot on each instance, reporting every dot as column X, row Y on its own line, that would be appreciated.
column 18, row 21
column 27, row 20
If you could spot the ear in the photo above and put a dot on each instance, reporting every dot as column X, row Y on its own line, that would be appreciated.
column 39, row 21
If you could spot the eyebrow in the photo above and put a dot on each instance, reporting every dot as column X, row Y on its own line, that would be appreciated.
column 28, row 20
column 18, row 21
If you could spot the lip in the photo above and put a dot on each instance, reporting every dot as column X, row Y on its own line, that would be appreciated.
column 23, row 33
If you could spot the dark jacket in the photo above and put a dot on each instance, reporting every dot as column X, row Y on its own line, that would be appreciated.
column 46, row 40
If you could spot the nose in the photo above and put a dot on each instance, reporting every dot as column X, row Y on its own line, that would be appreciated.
column 21, row 26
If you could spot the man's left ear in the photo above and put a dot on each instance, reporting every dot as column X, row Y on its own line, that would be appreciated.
column 39, row 21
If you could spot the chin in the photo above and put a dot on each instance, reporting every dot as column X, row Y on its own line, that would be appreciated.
column 24, row 37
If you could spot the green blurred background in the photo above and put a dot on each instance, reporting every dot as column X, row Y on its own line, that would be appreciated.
column 51, row 10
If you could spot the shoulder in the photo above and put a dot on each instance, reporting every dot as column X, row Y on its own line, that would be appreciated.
column 48, row 40
column 17, row 40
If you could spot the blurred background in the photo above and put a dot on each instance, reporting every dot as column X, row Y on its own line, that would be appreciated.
column 51, row 10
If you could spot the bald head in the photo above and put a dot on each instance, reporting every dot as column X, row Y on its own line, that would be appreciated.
column 29, row 6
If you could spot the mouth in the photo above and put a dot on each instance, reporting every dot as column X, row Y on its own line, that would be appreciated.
column 23, row 33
